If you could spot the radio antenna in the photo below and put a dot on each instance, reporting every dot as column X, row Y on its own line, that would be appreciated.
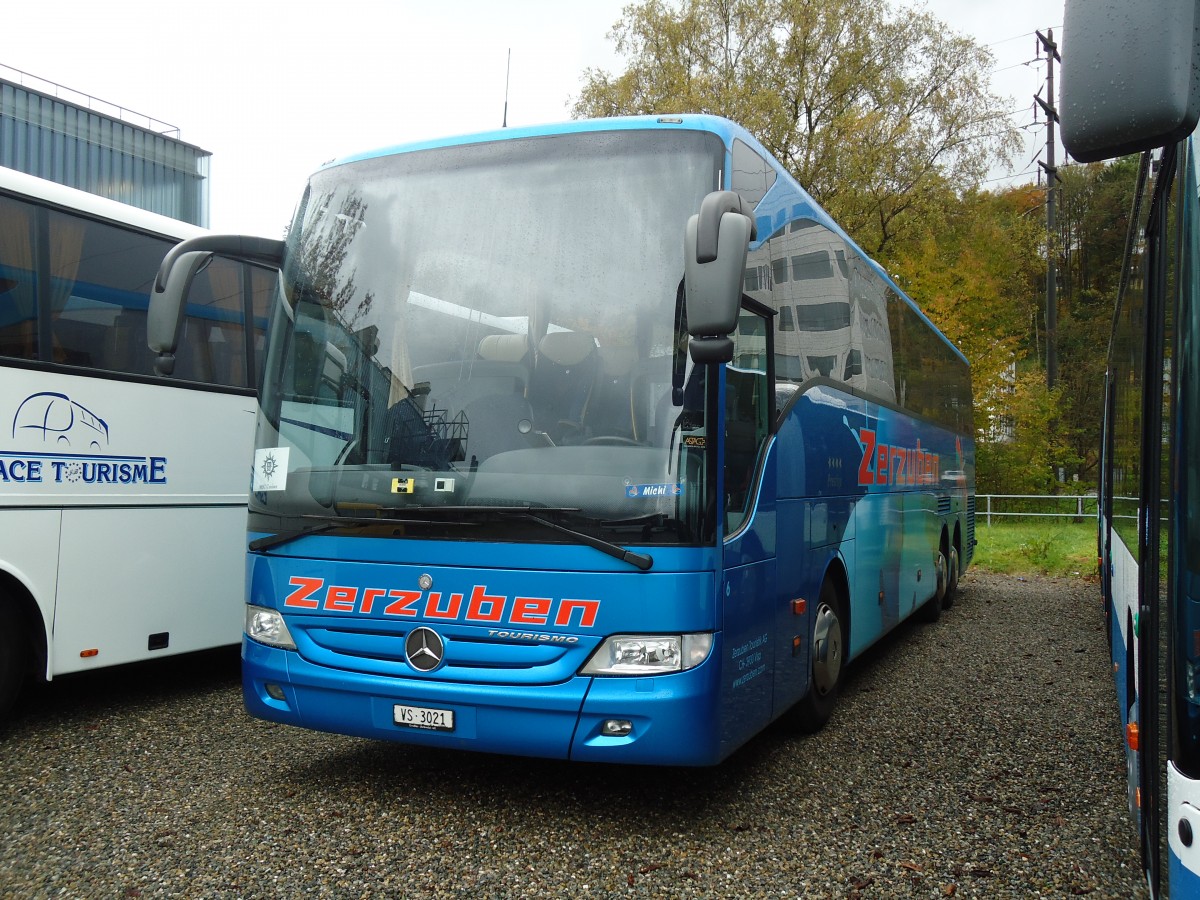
column 508, row 69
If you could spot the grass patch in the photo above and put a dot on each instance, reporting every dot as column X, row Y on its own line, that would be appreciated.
column 1058, row 549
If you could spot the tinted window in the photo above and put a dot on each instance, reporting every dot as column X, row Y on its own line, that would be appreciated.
column 75, row 292
column 752, row 175
column 811, row 266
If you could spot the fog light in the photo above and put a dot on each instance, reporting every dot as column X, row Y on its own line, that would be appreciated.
column 616, row 727
column 275, row 692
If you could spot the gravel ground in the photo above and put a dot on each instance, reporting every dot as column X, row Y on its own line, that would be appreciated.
column 976, row 757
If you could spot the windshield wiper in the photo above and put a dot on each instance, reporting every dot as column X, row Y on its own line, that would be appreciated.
column 284, row 537
column 328, row 524
column 642, row 561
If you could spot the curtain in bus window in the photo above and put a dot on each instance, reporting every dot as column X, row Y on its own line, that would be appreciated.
column 18, row 282
column 212, row 347
column 262, row 290
column 101, row 283
column 66, row 243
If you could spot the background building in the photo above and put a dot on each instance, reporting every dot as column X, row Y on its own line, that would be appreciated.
column 62, row 135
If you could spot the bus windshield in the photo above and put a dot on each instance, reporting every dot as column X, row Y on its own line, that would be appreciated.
column 488, row 326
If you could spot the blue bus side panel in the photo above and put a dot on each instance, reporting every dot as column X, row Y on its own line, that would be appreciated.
column 878, row 496
column 745, row 691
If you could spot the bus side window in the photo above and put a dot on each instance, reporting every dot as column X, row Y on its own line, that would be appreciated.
column 99, row 281
column 212, row 347
column 18, row 281
column 748, row 411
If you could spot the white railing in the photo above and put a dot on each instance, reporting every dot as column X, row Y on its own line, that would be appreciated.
column 1061, row 506
column 87, row 101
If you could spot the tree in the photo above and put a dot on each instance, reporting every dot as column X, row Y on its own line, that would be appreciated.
column 1096, row 201
column 878, row 115
column 324, row 249
column 1024, row 454
column 973, row 272
column 977, row 274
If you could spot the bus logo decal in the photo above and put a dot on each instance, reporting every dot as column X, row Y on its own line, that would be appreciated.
column 423, row 648
column 66, row 440
column 480, row 608
column 58, row 418
column 895, row 464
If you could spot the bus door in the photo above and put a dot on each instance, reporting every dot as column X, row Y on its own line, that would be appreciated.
column 748, row 496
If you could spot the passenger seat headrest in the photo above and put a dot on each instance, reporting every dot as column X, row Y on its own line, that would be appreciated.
column 504, row 347
column 567, row 348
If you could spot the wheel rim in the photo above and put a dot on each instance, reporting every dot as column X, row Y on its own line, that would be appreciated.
column 827, row 649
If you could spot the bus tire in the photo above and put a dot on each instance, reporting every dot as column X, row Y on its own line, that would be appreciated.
column 952, row 565
column 14, row 657
column 931, row 609
column 828, row 662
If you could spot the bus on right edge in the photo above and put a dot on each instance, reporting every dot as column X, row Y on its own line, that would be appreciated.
column 1131, row 85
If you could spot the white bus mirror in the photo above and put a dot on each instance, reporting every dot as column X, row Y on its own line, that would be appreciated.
column 715, row 245
column 1130, row 75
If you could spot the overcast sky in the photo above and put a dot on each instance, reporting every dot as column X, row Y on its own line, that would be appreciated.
column 273, row 89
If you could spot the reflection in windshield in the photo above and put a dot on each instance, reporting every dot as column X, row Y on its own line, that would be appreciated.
column 495, row 325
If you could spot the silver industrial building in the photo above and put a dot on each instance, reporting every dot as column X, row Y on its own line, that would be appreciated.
column 62, row 135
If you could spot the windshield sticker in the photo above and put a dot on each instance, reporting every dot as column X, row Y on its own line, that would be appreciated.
column 270, row 469
column 634, row 491
column 60, row 441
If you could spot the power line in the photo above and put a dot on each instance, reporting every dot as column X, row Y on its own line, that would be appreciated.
column 1018, row 37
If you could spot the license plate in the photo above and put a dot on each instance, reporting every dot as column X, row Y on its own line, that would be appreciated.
column 423, row 717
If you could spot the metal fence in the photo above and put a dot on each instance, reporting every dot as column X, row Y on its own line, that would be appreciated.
column 1076, row 507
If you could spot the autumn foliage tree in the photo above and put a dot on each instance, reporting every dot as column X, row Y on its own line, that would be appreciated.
column 886, row 117
column 878, row 114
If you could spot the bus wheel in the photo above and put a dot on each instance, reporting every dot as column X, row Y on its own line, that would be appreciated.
column 951, row 579
column 931, row 611
column 828, row 662
column 14, row 659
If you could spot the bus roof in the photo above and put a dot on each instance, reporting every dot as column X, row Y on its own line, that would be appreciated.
column 726, row 129
column 13, row 181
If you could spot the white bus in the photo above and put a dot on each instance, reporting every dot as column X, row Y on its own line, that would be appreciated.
column 122, row 491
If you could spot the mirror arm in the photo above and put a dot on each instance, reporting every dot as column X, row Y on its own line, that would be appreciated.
column 252, row 249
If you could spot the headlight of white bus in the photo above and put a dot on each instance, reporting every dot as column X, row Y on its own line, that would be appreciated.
column 267, row 627
column 649, row 654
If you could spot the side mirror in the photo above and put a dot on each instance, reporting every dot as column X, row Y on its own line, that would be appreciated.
column 164, row 315
column 168, row 297
column 1130, row 75
column 714, row 247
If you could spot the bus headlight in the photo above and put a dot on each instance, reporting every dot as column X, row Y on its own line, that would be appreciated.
column 648, row 654
column 267, row 627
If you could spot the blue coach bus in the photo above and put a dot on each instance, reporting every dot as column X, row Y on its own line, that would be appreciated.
column 599, row 441
column 1131, row 84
